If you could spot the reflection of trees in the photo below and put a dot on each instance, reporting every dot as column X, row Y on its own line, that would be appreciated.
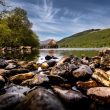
column 18, row 55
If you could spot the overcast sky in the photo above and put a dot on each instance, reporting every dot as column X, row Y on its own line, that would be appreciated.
column 60, row 18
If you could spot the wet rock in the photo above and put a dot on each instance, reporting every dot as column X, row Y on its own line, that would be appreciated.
column 48, row 57
column 51, row 63
column 105, row 62
column 11, row 66
column 2, row 82
column 13, row 72
column 100, row 76
column 22, row 63
column 85, row 60
column 28, row 65
column 3, row 63
column 105, row 51
column 108, row 73
column 10, row 100
column 76, row 61
column 87, row 84
column 31, row 66
column 3, row 72
column 55, row 79
column 63, row 70
column 70, row 96
column 100, row 94
column 96, row 61
column 47, row 64
column 36, row 80
column 62, row 60
column 17, row 79
column 82, row 72
column 16, row 89
column 105, row 58
column 11, row 61
column 44, row 65
column 19, row 70
column 40, row 99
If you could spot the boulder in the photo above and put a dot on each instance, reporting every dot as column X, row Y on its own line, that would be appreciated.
column 36, row 80
column 82, row 72
column 63, row 70
column 3, row 72
column 32, row 65
column 70, row 96
column 2, row 82
column 10, row 66
column 3, row 63
column 10, row 100
column 19, row 78
column 12, row 72
column 40, row 99
column 86, row 84
column 55, row 79
column 16, row 89
column 102, row 77
column 100, row 94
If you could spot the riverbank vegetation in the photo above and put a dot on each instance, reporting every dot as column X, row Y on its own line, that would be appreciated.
column 89, row 38
column 15, row 29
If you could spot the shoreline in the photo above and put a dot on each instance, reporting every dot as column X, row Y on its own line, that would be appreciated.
column 80, row 82
column 97, row 49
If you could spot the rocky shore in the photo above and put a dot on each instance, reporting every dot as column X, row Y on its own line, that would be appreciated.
column 71, row 83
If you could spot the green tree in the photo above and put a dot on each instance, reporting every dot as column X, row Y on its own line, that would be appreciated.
column 16, row 30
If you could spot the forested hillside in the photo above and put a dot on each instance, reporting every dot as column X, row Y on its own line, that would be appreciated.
column 89, row 38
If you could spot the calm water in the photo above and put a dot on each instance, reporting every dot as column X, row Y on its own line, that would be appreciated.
column 40, row 54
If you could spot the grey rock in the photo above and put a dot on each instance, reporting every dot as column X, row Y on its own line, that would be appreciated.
column 40, row 99
column 10, row 100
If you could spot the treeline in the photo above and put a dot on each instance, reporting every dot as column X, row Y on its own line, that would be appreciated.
column 15, row 29
column 86, row 39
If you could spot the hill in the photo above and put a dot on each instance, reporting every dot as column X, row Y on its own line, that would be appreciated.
column 86, row 39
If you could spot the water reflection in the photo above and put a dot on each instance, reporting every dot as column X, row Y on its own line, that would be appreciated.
column 60, row 53
column 21, row 55
column 67, row 52
column 40, row 54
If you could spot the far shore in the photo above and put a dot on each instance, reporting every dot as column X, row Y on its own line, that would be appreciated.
column 97, row 49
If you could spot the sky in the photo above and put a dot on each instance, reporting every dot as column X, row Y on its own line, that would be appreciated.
column 56, row 19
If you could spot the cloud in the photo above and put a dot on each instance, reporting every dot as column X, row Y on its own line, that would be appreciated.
column 61, row 18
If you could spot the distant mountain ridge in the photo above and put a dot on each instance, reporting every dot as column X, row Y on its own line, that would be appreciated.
column 88, row 38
